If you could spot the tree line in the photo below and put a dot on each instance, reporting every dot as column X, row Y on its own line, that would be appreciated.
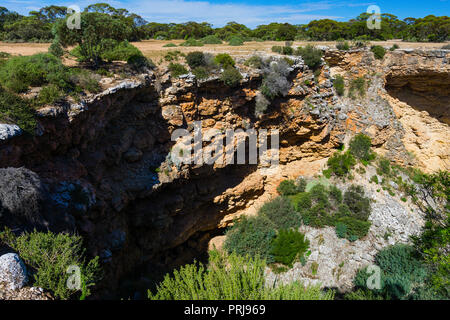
column 39, row 26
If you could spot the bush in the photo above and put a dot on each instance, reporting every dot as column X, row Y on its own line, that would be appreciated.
column 140, row 63
column 354, row 228
column 275, row 82
column 394, row 47
column 119, row 51
column 289, row 246
column 169, row 45
column 17, row 110
column 281, row 213
column 341, row 163
column 83, row 79
column 261, row 104
column 50, row 255
column 341, row 230
column 254, row 61
column 384, row 167
column 251, row 236
column 356, row 201
column 224, row 60
column 277, row 49
column 378, row 52
column 287, row 50
column 446, row 47
column 358, row 84
column 311, row 56
column 195, row 59
column 200, row 73
column 19, row 73
column 342, row 45
column 231, row 77
column 230, row 278
column 177, row 69
column 287, row 187
column 50, row 94
column 4, row 55
column 339, row 85
column 301, row 184
column 211, row 39
column 56, row 49
column 360, row 147
column 191, row 42
column 236, row 41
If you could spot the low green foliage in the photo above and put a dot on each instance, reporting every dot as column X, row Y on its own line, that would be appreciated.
column 342, row 45
column 50, row 94
column 177, row 69
column 360, row 147
column 289, row 246
column 211, row 39
column 231, row 277
column 378, row 52
column 359, row 85
column 50, row 255
column 169, row 45
column 191, row 42
column 281, row 212
column 140, row 63
column 200, row 73
column 236, row 41
column 394, row 47
column 195, row 59
column 224, row 60
column 231, row 77
column 339, row 85
column 287, row 187
column 277, row 49
column 311, row 56
column 254, row 61
column 384, row 167
column 119, row 51
column 14, row 109
column 340, row 163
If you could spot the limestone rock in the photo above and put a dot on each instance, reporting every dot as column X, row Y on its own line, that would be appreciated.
column 13, row 271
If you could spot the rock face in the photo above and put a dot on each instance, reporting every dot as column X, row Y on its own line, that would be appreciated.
column 8, row 131
column 105, row 170
column 13, row 271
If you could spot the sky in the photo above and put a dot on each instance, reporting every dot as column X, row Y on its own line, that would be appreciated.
column 250, row 13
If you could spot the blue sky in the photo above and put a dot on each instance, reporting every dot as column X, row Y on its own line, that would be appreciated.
column 251, row 13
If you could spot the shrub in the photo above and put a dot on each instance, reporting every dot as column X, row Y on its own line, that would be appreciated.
column 261, row 104
column 119, row 51
column 231, row 77
column 224, row 60
column 356, row 201
column 50, row 255
column 394, row 47
column 374, row 179
column 252, row 236
column 360, row 147
column 281, row 213
column 289, row 246
column 275, row 82
column 341, row 230
column 378, row 52
column 200, row 73
column 173, row 55
column 17, row 110
column 254, row 61
column 342, row 45
column 177, row 69
column 191, row 42
column 4, row 55
column 336, row 194
column 287, row 187
column 195, row 59
column 287, row 50
column 140, row 63
column 301, row 184
column 384, row 167
column 169, row 45
column 211, row 39
column 339, row 85
column 358, row 84
column 19, row 73
column 354, row 227
column 56, row 49
column 277, row 49
column 235, row 41
column 446, row 47
column 50, row 94
column 83, row 79
column 310, row 55
column 341, row 163
column 301, row 201
column 230, row 278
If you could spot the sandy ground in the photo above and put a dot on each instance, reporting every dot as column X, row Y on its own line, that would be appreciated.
column 154, row 48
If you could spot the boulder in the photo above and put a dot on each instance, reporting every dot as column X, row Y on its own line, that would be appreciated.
column 13, row 271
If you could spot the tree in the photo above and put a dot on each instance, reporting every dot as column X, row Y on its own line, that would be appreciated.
column 95, row 36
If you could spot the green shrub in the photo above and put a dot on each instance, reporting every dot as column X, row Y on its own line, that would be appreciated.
column 311, row 56
column 4, row 55
column 252, row 236
column 301, row 184
column 56, row 49
column 177, row 69
column 288, row 51
column 354, row 227
column 384, row 167
column 281, row 213
column 341, row 163
column 84, row 80
column 191, row 42
column 254, row 61
column 289, row 246
column 119, row 51
column 14, row 109
column 394, row 47
column 335, row 194
column 378, row 52
column 342, row 45
column 211, row 39
column 50, row 255
column 173, row 55
column 224, row 60
column 195, row 59
column 19, row 73
column 200, row 73
column 277, row 49
column 301, row 201
column 360, row 147
column 230, row 277
column 231, row 77
column 339, row 85
column 287, row 187
column 356, row 201
column 140, row 63
column 374, row 179
column 235, row 41
column 50, row 94
column 358, row 84
column 169, row 45
column 341, row 230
